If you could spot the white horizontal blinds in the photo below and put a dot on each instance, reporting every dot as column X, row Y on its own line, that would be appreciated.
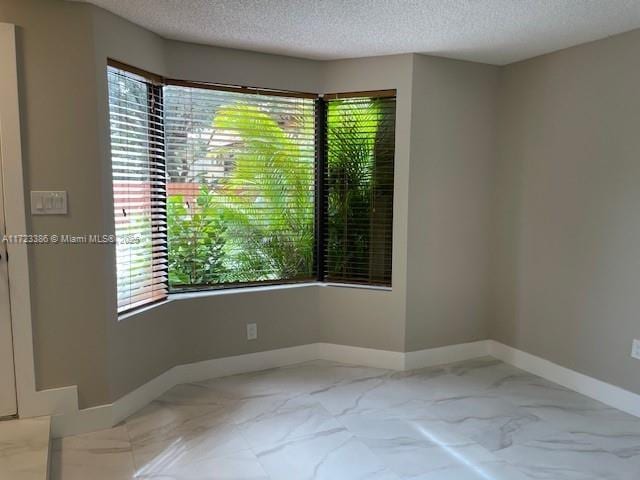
column 139, row 194
column 360, row 145
column 241, row 187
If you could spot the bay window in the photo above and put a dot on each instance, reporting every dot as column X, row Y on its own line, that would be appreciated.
column 224, row 186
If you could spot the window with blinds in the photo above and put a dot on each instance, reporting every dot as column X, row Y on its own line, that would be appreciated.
column 358, row 190
column 241, row 187
column 139, row 198
column 217, row 186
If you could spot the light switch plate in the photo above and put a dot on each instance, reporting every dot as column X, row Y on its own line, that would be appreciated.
column 48, row 202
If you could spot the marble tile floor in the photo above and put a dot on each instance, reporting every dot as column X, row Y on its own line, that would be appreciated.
column 475, row 420
column 24, row 449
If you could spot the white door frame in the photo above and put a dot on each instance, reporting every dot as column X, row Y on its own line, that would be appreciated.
column 8, row 399
column 15, row 214
column 30, row 401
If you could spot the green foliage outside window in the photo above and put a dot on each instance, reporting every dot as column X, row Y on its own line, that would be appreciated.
column 270, row 224
column 256, row 221
column 360, row 151
column 196, row 241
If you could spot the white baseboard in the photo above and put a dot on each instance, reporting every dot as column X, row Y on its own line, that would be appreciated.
column 83, row 421
column 105, row 416
column 217, row 367
column 597, row 389
column 48, row 402
column 368, row 357
column 447, row 354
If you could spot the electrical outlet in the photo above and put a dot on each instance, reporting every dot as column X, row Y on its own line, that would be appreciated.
column 635, row 349
column 252, row 331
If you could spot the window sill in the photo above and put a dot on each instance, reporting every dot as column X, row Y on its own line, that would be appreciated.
column 236, row 291
column 176, row 297
column 141, row 310
column 355, row 285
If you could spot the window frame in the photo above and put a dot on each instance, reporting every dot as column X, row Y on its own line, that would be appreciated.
column 323, row 274
column 157, row 82
column 302, row 278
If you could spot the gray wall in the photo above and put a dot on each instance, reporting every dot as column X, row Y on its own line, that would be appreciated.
column 362, row 317
column 546, row 263
column 567, row 236
column 146, row 344
column 78, row 339
column 450, row 201
column 237, row 67
column 58, row 101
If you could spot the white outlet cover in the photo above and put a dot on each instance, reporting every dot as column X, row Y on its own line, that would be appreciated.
column 252, row 331
column 635, row 349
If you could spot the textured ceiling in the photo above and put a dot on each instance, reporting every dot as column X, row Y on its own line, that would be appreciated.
column 489, row 31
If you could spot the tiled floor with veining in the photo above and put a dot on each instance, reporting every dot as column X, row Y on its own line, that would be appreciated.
column 474, row 420
column 24, row 448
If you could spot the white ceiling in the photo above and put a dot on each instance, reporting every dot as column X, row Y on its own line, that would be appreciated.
column 489, row 31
